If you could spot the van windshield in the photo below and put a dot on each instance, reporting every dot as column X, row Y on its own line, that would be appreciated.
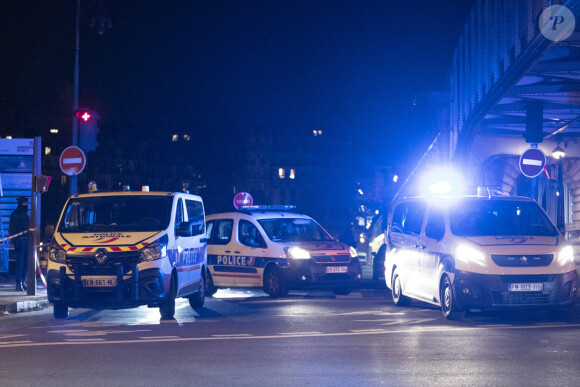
column 499, row 217
column 116, row 213
column 293, row 230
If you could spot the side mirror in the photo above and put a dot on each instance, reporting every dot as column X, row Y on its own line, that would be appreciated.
column 185, row 230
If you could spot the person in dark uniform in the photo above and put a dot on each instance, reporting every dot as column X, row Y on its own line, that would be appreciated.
column 19, row 222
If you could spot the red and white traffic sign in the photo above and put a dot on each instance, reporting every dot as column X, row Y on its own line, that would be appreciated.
column 532, row 162
column 243, row 199
column 72, row 160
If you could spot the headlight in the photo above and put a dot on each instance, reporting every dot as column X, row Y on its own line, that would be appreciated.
column 468, row 254
column 353, row 253
column 56, row 253
column 566, row 255
column 297, row 253
column 154, row 251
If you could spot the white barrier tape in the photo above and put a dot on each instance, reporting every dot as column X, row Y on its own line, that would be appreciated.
column 17, row 235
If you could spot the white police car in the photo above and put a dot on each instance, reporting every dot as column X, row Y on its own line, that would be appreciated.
column 477, row 252
column 278, row 250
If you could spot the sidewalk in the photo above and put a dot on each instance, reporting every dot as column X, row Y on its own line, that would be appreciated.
column 12, row 301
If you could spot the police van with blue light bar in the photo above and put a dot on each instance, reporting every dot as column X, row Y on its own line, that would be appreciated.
column 477, row 252
column 126, row 249
column 277, row 249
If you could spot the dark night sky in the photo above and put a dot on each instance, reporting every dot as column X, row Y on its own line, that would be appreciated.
column 184, row 65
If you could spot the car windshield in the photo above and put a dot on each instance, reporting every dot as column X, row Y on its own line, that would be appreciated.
column 293, row 230
column 499, row 217
column 116, row 213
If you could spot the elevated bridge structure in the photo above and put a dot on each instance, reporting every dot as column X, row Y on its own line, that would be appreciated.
column 511, row 87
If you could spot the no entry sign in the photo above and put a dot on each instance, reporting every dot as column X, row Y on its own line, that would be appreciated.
column 532, row 162
column 243, row 199
column 72, row 161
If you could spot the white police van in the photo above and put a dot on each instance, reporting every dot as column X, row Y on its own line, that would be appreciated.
column 277, row 249
column 477, row 252
column 125, row 249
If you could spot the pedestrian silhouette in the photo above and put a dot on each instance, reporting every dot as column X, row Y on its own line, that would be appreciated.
column 20, row 222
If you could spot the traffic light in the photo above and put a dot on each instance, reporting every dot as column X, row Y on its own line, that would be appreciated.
column 87, row 120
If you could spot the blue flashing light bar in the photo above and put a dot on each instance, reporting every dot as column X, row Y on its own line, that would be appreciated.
column 267, row 208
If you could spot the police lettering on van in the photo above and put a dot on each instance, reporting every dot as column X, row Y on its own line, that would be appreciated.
column 125, row 249
column 276, row 249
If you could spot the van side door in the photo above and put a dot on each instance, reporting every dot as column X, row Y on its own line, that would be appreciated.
column 404, row 236
column 434, row 242
column 252, row 247
column 220, row 245
column 195, row 245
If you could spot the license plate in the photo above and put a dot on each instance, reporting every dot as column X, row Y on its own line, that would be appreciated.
column 533, row 287
column 336, row 269
column 99, row 282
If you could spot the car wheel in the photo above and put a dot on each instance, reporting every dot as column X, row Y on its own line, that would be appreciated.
column 167, row 307
column 60, row 310
column 197, row 299
column 449, row 307
column 210, row 288
column 274, row 283
column 342, row 291
column 397, row 291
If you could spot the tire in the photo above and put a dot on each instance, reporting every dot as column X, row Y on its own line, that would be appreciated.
column 274, row 283
column 210, row 288
column 60, row 310
column 397, row 292
column 342, row 291
column 197, row 299
column 449, row 306
column 167, row 307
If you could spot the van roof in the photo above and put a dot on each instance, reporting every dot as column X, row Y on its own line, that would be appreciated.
column 471, row 197
column 132, row 193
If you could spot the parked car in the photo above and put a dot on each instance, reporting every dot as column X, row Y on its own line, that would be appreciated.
column 277, row 249
column 477, row 252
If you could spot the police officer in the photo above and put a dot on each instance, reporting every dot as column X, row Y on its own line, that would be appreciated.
column 19, row 222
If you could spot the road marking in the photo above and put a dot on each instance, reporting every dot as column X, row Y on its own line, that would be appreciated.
column 234, row 335
column 14, row 342
column 246, row 336
column 159, row 337
column 3, row 337
column 300, row 333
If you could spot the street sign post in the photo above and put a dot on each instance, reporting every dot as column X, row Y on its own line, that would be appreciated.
column 243, row 199
column 532, row 162
column 72, row 161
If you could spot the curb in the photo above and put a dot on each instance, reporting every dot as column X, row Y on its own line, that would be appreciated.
column 23, row 306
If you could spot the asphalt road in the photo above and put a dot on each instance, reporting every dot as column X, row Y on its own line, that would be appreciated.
column 307, row 339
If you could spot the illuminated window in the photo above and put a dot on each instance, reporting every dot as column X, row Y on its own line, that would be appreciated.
column 186, row 137
column 320, row 132
column 292, row 173
column 281, row 173
column 175, row 138
column 63, row 180
column 47, row 150
column 9, row 137
column 54, row 131
column 315, row 133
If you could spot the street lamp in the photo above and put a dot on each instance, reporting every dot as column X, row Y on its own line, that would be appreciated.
column 558, row 152
column 102, row 22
